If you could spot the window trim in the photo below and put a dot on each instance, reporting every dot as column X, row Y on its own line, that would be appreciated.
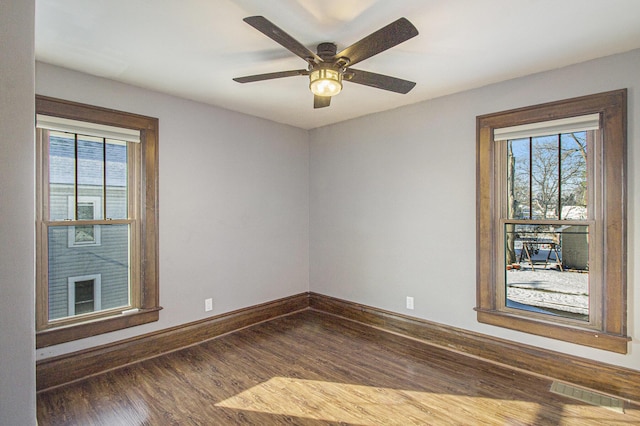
column 612, row 333
column 146, row 300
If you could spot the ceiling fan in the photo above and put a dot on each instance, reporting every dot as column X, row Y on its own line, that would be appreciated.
column 328, row 69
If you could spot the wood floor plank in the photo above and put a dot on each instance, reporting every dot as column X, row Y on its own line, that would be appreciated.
column 311, row 368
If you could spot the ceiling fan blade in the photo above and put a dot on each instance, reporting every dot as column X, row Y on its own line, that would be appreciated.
column 270, row 76
column 379, row 41
column 381, row 81
column 267, row 28
column 321, row 101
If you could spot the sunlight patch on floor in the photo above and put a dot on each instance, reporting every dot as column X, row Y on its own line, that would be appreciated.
column 357, row 404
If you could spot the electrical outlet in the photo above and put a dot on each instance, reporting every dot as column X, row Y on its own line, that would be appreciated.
column 409, row 302
column 208, row 305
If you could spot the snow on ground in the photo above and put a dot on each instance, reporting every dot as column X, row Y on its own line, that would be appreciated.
column 550, row 288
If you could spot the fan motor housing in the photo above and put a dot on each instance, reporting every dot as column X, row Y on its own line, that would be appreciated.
column 327, row 50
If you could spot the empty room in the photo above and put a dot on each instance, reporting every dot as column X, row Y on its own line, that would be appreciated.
column 311, row 212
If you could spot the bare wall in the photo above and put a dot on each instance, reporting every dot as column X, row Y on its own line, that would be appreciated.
column 233, row 202
column 17, row 233
column 392, row 201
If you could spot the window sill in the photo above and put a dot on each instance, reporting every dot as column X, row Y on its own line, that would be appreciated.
column 68, row 333
column 592, row 338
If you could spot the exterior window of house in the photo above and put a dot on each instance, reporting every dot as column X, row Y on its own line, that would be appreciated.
column 551, row 243
column 85, row 294
column 85, row 208
column 96, row 219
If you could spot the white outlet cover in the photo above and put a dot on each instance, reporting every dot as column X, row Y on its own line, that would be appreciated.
column 409, row 302
column 208, row 305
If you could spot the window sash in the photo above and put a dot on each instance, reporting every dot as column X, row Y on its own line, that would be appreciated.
column 595, row 280
column 561, row 147
column 594, row 199
column 44, row 321
column 502, row 219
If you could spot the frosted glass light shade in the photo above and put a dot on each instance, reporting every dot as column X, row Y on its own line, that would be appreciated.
column 325, row 82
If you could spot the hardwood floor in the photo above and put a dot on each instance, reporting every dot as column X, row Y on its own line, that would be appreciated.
column 311, row 368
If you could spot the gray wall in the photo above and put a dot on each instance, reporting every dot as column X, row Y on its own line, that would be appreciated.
column 392, row 201
column 234, row 211
column 17, row 322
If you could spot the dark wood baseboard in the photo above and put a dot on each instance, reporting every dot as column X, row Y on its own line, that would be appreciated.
column 610, row 379
column 64, row 369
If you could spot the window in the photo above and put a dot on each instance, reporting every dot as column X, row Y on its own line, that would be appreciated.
column 86, row 208
column 551, row 220
column 96, row 221
column 85, row 294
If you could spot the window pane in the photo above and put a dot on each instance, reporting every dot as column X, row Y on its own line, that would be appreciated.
column 116, row 159
column 518, row 181
column 574, row 175
column 87, row 208
column 544, row 177
column 62, row 166
column 109, row 260
column 90, row 174
column 84, row 301
column 85, row 211
column 84, row 234
column 90, row 162
column 547, row 269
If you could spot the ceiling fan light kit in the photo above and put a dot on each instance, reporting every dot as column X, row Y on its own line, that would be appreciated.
column 328, row 69
column 325, row 82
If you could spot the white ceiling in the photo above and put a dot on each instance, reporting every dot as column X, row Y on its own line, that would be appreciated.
column 193, row 48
